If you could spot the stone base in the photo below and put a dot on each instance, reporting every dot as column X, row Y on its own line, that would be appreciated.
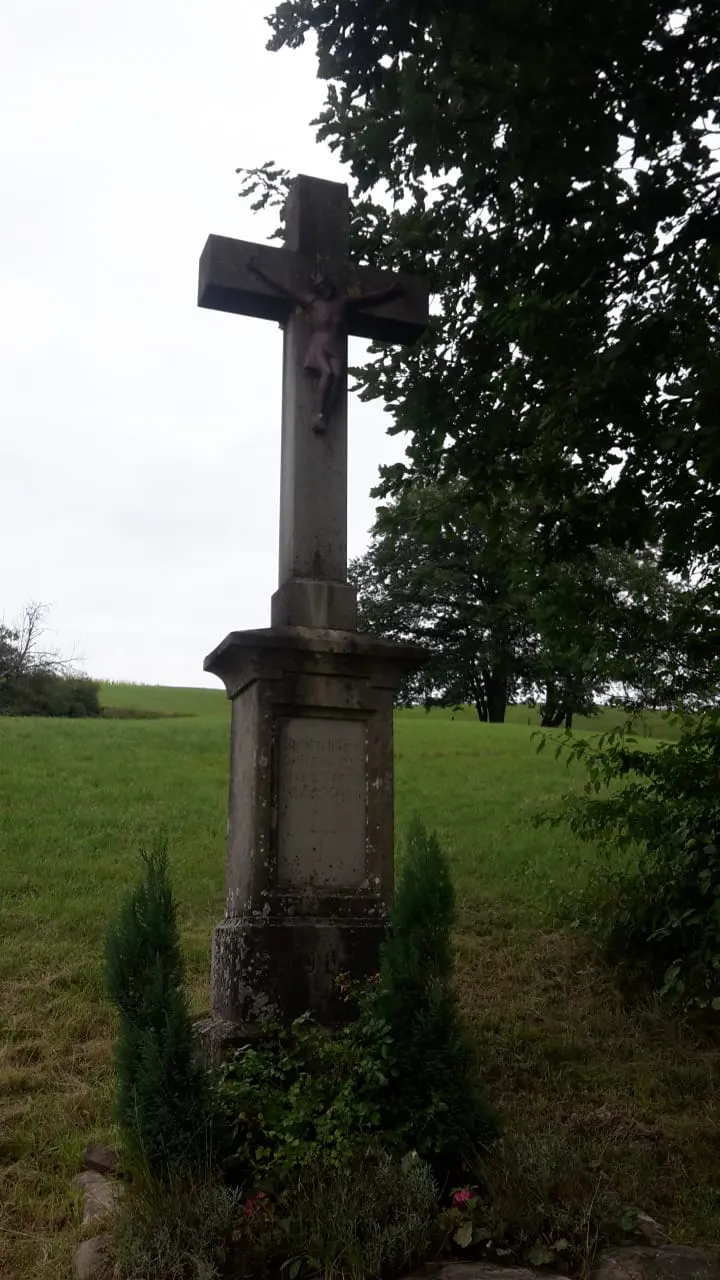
column 310, row 820
column 216, row 1038
column 280, row 969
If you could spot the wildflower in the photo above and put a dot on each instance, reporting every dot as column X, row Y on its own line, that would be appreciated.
column 463, row 1196
column 252, row 1204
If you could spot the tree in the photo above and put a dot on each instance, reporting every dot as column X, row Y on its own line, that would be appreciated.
column 435, row 576
column 552, row 167
column 471, row 585
column 616, row 623
column 655, row 908
column 36, row 680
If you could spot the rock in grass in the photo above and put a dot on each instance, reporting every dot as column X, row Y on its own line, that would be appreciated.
column 482, row 1271
column 650, row 1231
column 636, row 1262
column 100, row 1158
column 643, row 1262
column 88, row 1257
column 102, row 1196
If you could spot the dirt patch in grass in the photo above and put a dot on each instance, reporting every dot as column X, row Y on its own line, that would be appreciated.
column 138, row 713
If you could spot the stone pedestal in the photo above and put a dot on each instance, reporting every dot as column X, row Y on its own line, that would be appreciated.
column 310, row 830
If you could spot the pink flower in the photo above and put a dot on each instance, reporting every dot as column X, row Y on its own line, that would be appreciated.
column 252, row 1204
column 463, row 1196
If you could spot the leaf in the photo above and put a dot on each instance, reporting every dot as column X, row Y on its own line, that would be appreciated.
column 464, row 1235
column 540, row 1255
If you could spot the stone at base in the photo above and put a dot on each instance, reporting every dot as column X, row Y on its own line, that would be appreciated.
column 643, row 1262
column 100, row 1158
column 479, row 1271
column 90, row 1256
column 310, row 821
column 216, row 1038
column 102, row 1196
column 650, row 1231
column 278, row 970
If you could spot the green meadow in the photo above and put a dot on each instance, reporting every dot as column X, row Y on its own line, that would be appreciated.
column 560, row 1052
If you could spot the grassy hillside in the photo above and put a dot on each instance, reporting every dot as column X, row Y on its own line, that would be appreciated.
column 163, row 700
column 557, row 1048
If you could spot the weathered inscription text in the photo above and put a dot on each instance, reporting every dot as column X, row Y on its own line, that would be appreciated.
column 321, row 802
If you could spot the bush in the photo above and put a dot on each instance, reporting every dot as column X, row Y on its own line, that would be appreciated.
column 378, row 1218
column 659, row 912
column 304, row 1096
column 44, row 693
column 374, row 1219
column 540, row 1204
column 161, row 1100
column 401, row 1076
column 432, row 1100
column 173, row 1232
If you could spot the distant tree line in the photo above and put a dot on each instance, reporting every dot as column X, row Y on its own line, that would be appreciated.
column 37, row 681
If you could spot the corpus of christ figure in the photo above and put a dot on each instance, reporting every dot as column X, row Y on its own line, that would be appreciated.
column 327, row 311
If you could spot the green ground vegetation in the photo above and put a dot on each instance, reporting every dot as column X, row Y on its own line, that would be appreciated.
column 558, row 1050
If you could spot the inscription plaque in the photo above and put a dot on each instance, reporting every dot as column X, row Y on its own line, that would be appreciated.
column 321, row 802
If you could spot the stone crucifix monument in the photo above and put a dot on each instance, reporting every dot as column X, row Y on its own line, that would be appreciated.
column 310, row 826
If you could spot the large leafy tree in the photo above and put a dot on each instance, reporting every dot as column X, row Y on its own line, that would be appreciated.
column 551, row 166
column 449, row 575
column 465, row 580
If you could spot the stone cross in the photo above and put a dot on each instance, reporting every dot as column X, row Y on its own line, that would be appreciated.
column 286, row 285
column 310, row 817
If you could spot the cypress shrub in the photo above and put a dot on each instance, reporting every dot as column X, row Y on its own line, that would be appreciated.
column 161, row 1102
column 433, row 1096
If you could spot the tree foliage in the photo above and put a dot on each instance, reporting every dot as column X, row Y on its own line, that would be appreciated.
column 468, row 580
column 445, row 575
column 36, row 680
column 551, row 167
column 657, row 907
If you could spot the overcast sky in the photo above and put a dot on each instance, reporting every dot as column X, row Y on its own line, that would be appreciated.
column 141, row 436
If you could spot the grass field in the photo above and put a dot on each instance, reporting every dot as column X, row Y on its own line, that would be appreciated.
column 558, row 1050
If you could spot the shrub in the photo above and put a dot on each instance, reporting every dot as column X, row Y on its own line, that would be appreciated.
column 432, row 1099
column 161, row 1098
column 41, row 692
column 400, row 1076
column 540, row 1204
column 37, row 681
column 658, row 912
column 377, row 1218
column 173, row 1232
column 300, row 1097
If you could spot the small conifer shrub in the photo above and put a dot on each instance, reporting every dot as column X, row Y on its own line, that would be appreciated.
column 161, row 1096
column 433, row 1098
